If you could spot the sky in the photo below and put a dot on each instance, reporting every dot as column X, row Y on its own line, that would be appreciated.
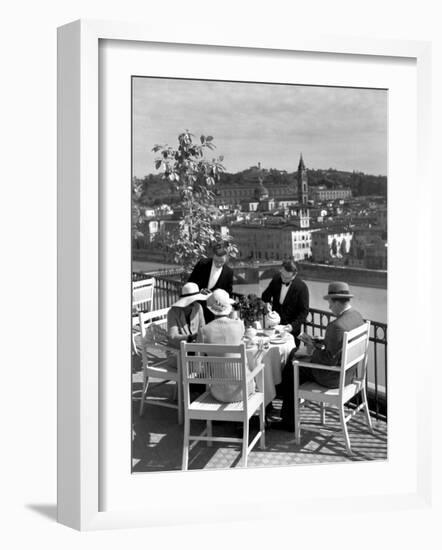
column 342, row 128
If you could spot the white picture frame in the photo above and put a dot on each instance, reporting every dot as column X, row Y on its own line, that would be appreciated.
column 80, row 293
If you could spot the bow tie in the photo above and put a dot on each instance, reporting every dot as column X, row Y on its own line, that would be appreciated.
column 286, row 284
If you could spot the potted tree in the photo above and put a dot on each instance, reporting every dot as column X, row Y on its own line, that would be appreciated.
column 193, row 176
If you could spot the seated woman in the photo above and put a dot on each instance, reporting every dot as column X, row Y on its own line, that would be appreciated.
column 223, row 330
column 185, row 317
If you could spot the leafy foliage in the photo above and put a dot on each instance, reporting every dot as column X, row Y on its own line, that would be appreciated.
column 250, row 308
column 137, row 216
column 193, row 177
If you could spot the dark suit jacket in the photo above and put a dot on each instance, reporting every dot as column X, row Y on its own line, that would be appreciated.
column 201, row 273
column 295, row 307
column 331, row 354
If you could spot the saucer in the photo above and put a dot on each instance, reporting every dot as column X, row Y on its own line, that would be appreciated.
column 278, row 340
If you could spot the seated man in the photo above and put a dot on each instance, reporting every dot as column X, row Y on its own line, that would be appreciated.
column 222, row 330
column 327, row 352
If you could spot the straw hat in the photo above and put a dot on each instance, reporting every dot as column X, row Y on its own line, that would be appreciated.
column 190, row 293
column 338, row 289
column 219, row 302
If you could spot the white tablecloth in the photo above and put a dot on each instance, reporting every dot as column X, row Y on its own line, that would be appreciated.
column 274, row 360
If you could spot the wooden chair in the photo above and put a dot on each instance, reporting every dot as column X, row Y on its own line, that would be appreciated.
column 354, row 352
column 142, row 300
column 153, row 344
column 142, row 295
column 208, row 364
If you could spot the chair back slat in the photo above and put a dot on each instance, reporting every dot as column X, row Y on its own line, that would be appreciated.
column 212, row 364
column 142, row 293
column 210, row 370
column 355, row 351
column 158, row 318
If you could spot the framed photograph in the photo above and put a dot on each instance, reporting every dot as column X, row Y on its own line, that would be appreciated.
column 193, row 178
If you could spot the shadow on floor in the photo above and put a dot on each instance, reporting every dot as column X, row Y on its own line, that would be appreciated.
column 158, row 439
column 48, row 511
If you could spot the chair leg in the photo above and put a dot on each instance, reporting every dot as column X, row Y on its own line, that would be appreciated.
column 245, row 442
column 367, row 412
column 143, row 396
column 209, row 432
column 296, row 406
column 262, row 426
column 186, row 444
column 180, row 406
column 344, row 430
column 322, row 413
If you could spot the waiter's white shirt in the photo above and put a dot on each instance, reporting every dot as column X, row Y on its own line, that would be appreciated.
column 284, row 290
column 215, row 273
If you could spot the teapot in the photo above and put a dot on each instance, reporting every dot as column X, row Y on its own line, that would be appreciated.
column 272, row 319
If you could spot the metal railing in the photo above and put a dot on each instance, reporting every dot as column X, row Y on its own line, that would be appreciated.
column 168, row 290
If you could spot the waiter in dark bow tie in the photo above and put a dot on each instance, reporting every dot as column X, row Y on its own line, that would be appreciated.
column 288, row 295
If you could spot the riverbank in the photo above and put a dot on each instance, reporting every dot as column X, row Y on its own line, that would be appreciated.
column 372, row 278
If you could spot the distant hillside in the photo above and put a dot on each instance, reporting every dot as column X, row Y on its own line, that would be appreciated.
column 360, row 183
column 156, row 190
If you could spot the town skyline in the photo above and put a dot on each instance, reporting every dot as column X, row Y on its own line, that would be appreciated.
column 333, row 128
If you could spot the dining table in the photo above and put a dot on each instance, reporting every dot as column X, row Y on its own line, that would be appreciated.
column 274, row 353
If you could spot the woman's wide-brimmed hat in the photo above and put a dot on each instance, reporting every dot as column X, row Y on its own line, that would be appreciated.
column 338, row 289
column 219, row 302
column 190, row 293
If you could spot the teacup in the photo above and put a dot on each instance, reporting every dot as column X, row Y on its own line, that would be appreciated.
column 270, row 332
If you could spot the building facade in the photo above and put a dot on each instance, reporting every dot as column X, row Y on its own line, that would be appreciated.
column 258, row 184
column 267, row 242
column 369, row 249
column 321, row 194
column 328, row 244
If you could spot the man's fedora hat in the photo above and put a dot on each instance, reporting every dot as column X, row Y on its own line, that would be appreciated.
column 189, row 294
column 338, row 289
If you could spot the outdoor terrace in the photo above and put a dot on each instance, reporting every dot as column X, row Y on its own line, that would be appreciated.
column 158, row 438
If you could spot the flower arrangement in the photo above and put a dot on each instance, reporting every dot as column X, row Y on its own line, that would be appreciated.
column 250, row 308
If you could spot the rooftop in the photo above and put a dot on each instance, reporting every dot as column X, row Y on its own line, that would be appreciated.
column 282, row 226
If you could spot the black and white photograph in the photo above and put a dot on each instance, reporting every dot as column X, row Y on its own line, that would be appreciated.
column 226, row 216
column 259, row 274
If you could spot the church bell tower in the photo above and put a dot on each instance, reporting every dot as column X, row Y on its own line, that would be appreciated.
column 302, row 182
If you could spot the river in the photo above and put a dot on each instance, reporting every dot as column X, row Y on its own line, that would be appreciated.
column 370, row 302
